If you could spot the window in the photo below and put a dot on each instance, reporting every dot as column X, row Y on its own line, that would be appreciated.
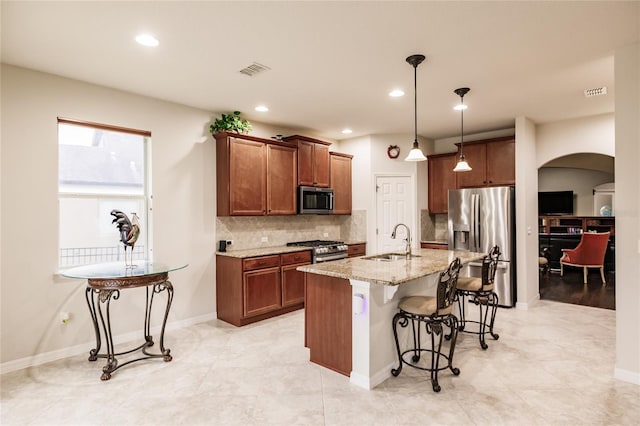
column 101, row 168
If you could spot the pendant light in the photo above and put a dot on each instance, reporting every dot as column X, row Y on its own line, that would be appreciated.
column 462, row 165
column 416, row 153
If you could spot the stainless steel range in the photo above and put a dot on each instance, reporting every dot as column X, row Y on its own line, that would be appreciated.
column 322, row 250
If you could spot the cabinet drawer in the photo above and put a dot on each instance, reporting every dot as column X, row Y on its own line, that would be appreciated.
column 357, row 250
column 297, row 257
column 436, row 246
column 260, row 262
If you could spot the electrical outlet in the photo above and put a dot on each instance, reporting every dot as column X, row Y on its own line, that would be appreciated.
column 229, row 242
column 326, row 234
column 264, row 239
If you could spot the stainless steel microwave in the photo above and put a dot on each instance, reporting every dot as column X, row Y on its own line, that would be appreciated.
column 312, row 200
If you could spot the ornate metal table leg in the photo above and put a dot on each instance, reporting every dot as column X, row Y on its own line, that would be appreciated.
column 105, row 297
column 157, row 289
column 90, row 297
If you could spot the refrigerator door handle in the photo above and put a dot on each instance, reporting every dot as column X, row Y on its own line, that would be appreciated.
column 475, row 222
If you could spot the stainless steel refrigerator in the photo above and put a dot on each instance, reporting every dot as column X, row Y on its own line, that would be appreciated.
column 480, row 218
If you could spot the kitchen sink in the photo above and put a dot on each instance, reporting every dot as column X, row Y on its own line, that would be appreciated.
column 389, row 257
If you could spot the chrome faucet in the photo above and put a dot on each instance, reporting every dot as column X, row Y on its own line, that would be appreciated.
column 408, row 239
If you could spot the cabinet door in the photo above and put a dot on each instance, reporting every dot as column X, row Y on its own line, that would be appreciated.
column 247, row 172
column 442, row 178
column 292, row 285
column 305, row 163
column 322, row 165
column 261, row 291
column 475, row 155
column 281, row 180
column 341, row 184
column 501, row 163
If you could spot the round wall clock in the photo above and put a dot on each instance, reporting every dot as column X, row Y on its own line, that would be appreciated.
column 393, row 151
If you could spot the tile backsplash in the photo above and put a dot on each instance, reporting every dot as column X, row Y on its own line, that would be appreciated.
column 267, row 231
column 433, row 226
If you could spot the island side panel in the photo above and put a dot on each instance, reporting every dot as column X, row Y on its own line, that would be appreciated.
column 328, row 322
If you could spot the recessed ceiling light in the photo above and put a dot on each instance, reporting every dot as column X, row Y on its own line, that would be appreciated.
column 347, row 131
column 147, row 40
column 396, row 93
column 460, row 107
column 262, row 108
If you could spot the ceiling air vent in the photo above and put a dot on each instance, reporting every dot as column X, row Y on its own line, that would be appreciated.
column 598, row 91
column 254, row 69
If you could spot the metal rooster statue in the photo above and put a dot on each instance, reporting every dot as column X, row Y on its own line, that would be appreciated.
column 129, row 232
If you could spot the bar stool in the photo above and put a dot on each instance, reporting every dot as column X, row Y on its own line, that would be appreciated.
column 434, row 313
column 480, row 292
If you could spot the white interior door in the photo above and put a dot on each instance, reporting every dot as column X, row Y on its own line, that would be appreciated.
column 394, row 204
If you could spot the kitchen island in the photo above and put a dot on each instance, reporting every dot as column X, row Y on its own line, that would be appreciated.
column 350, row 303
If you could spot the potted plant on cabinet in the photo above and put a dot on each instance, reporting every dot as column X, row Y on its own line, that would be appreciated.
column 231, row 123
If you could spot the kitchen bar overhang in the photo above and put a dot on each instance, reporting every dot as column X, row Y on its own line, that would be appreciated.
column 365, row 312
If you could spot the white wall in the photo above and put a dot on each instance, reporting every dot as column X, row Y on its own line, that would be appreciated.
column 526, row 214
column 595, row 134
column 183, row 159
column 370, row 159
column 627, row 128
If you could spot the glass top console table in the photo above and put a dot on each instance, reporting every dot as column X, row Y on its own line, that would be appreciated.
column 104, row 282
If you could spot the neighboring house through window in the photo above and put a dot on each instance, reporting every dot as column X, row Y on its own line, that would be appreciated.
column 101, row 168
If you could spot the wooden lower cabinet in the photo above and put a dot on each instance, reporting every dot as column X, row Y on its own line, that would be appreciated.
column 252, row 289
column 292, row 280
column 328, row 319
column 437, row 246
column 261, row 290
column 355, row 250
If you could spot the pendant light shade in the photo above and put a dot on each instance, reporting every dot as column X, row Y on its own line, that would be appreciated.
column 462, row 165
column 416, row 153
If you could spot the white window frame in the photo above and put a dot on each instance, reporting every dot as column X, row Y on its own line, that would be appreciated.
column 146, row 197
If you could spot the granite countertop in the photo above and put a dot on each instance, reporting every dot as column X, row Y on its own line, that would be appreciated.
column 266, row 251
column 352, row 242
column 262, row 251
column 444, row 242
column 394, row 272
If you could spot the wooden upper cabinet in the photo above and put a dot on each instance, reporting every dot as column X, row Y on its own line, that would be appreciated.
column 305, row 163
column 255, row 176
column 341, row 182
column 493, row 163
column 281, row 180
column 246, row 177
column 476, row 156
column 313, row 161
column 442, row 178
column 501, row 163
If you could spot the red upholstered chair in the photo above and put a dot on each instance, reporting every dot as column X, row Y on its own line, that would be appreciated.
column 589, row 254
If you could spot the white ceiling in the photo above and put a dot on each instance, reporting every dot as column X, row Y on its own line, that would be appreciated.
column 333, row 63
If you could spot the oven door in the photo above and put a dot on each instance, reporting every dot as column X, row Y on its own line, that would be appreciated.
column 313, row 200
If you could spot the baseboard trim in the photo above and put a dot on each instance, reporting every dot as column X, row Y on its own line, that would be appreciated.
column 43, row 358
column 627, row 376
column 371, row 382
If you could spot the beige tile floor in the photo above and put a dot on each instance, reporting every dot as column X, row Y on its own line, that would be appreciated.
column 552, row 365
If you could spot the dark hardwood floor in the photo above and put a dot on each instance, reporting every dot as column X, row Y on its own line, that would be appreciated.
column 571, row 289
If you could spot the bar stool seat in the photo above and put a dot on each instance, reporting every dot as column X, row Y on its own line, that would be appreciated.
column 434, row 312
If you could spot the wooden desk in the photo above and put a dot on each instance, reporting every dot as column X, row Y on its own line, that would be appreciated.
column 104, row 282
